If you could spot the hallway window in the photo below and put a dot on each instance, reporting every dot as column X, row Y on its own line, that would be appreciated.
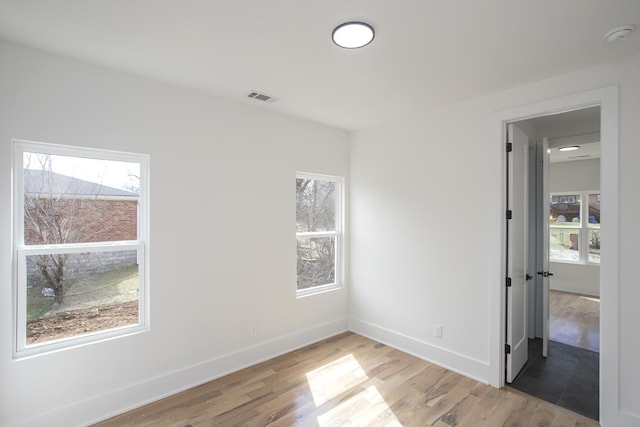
column 318, row 232
column 574, row 227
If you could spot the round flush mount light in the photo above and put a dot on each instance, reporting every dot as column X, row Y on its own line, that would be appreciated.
column 352, row 35
column 619, row 33
column 569, row 148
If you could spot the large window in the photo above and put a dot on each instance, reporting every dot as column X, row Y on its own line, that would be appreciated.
column 80, row 235
column 574, row 227
column 318, row 232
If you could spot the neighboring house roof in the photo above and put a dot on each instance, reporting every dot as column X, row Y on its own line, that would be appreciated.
column 37, row 181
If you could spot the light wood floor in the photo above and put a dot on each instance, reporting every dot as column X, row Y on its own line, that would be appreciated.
column 348, row 380
column 574, row 320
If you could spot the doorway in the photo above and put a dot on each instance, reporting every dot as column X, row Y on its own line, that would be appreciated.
column 608, row 99
column 562, row 299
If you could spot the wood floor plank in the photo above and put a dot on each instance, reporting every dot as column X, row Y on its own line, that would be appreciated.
column 574, row 319
column 348, row 380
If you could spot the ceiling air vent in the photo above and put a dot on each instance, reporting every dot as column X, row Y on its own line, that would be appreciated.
column 261, row 97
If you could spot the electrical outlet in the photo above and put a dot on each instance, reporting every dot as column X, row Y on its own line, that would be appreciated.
column 253, row 332
column 437, row 330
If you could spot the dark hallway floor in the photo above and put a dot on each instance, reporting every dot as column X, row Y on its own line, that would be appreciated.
column 569, row 377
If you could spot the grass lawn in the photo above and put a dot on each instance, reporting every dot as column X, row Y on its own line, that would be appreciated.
column 112, row 287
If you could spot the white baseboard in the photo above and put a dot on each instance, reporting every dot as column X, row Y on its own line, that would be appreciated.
column 476, row 369
column 115, row 402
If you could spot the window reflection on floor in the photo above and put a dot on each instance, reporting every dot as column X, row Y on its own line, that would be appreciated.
column 344, row 377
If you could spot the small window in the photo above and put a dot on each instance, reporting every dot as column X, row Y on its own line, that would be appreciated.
column 318, row 232
column 574, row 227
column 80, row 241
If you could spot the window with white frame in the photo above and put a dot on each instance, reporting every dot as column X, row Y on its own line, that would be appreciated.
column 574, row 227
column 318, row 232
column 80, row 243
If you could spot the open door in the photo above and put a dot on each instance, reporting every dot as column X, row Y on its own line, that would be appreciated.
column 545, row 247
column 517, row 232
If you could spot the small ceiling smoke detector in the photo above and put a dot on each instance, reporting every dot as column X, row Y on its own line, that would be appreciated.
column 569, row 148
column 619, row 33
column 352, row 35
column 259, row 96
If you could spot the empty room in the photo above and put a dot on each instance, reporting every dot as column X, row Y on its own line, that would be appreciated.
column 243, row 213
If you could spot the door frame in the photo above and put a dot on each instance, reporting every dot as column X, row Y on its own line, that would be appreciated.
column 607, row 99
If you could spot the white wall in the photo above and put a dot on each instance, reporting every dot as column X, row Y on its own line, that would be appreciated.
column 222, row 235
column 582, row 175
column 427, row 227
column 583, row 279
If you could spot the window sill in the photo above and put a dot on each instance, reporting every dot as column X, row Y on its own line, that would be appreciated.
column 566, row 261
column 71, row 343
column 317, row 290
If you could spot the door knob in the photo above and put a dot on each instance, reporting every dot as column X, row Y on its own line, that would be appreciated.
column 528, row 277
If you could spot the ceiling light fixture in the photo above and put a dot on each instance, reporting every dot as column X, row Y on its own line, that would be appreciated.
column 352, row 35
column 619, row 33
column 569, row 148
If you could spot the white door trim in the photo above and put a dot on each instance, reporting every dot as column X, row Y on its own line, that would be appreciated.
column 607, row 98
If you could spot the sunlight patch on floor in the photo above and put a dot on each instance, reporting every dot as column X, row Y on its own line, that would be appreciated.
column 365, row 408
column 345, row 375
column 333, row 379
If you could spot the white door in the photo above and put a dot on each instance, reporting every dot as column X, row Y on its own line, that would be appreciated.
column 517, row 231
column 545, row 247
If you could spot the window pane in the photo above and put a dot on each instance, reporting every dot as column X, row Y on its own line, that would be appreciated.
column 72, row 294
column 594, row 245
column 564, row 243
column 316, row 261
column 315, row 205
column 77, row 200
column 565, row 210
column 594, row 208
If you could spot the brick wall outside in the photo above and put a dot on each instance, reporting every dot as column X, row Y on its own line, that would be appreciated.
column 96, row 220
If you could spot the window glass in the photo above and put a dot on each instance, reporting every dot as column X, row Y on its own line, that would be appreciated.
column 74, row 199
column 316, row 261
column 594, row 245
column 564, row 244
column 565, row 210
column 316, row 205
column 92, row 291
column 594, row 209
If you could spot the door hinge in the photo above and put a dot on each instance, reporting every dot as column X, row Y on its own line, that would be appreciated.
column 509, row 214
column 507, row 349
column 509, row 147
column 508, row 282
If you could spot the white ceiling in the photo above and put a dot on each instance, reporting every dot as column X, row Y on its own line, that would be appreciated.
column 565, row 125
column 588, row 151
column 426, row 53
column 577, row 127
